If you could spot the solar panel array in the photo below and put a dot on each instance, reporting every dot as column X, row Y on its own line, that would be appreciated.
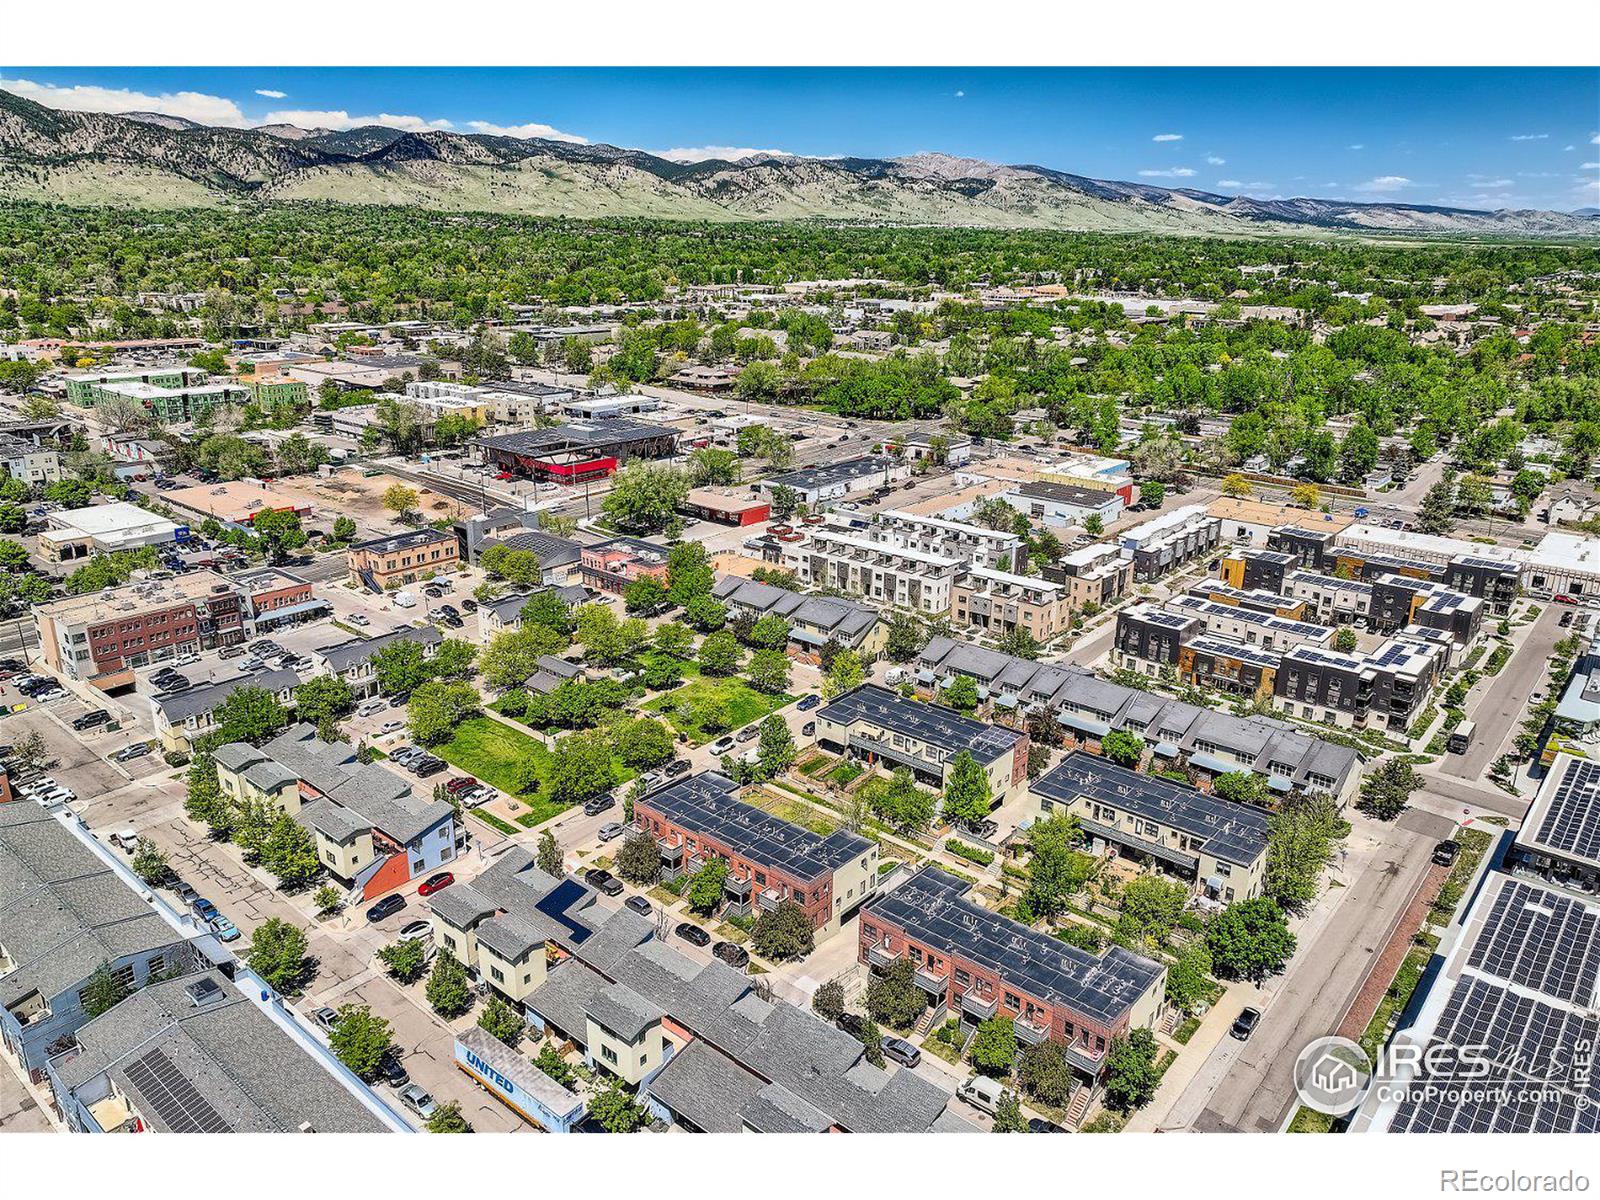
column 1222, row 648
column 1538, row 1078
column 940, row 727
column 1572, row 820
column 172, row 1097
column 1541, row 940
column 556, row 903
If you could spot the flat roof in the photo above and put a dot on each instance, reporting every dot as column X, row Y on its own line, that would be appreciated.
column 140, row 596
column 587, row 435
column 708, row 804
column 408, row 540
column 830, row 473
column 943, row 728
column 1564, row 818
column 932, row 908
column 100, row 520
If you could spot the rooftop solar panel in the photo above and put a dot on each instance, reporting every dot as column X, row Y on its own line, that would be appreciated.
column 940, row 727
column 1541, row 940
column 555, row 905
column 1571, row 821
column 171, row 1096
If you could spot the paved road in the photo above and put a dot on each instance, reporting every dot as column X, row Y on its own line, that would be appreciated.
column 1505, row 700
column 1247, row 1086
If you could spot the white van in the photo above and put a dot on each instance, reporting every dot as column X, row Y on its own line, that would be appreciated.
column 894, row 675
column 982, row 1093
column 405, row 600
column 126, row 838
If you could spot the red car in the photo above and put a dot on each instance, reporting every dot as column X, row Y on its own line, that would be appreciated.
column 1565, row 600
column 460, row 784
column 436, row 883
column 503, row 475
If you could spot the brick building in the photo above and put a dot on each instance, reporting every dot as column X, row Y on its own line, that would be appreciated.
column 403, row 558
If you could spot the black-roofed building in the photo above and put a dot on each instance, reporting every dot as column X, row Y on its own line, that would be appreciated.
column 1218, row 846
column 979, row 964
column 1149, row 637
column 578, row 450
column 840, row 480
column 196, row 1055
column 875, row 725
column 1492, row 580
column 388, row 562
column 1311, row 548
column 1559, row 839
column 1385, row 689
column 183, row 718
column 769, row 860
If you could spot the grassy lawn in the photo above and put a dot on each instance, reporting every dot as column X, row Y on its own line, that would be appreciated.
column 494, row 822
column 490, row 750
column 682, row 706
column 792, row 811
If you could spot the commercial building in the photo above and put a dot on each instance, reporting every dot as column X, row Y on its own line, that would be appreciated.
column 274, row 598
column 706, row 1050
column 949, row 449
column 814, row 621
column 1051, row 503
column 520, row 405
column 876, row 570
column 612, row 565
column 352, row 660
column 65, row 910
column 236, row 503
column 172, row 405
column 726, row 506
column 1218, row 846
column 769, row 860
column 517, row 529
column 1000, row 602
column 82, row 387
column 1170, row 540
column 1202, row 742
column 840, row 480
column 578, row 450
column 1249, row 521
column 974, row 962
column 1559, row 840
column 401, row 558
column 372, row 833
column 873, row 724
column 102, row 529
column 196, row 1054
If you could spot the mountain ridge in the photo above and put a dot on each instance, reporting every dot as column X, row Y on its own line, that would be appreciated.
column 57, row 154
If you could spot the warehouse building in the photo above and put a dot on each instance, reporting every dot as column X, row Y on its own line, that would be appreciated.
column 576, row 451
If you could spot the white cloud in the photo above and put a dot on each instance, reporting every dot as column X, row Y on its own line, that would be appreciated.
column 1384, row 183
column 1253, row 185
column 272, row 95
column 1167, row 137
column 694, row 154
column 1594, row 166
column 1171, row 173
column 1216, row 160
column 1529, row 137
column 959, row 95
column 1358, row 146
column 532, row 129
column 191, row 106
column 1594, row 139
column 339, row 119
column 1229, row 183
column 1569, row 148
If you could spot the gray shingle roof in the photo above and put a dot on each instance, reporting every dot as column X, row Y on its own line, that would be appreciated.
column 345, row 655
column 706, row 1088
column 200, row 701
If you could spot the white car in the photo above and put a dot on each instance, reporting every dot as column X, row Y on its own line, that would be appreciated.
column 359, row 619
column 391, row 726
column 371, row 707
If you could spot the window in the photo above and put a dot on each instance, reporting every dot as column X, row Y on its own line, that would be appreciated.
column 1012, row 1000
column 610, row 1055
column 497, row 974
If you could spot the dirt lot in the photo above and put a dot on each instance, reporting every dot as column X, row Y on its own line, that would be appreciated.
column 350, row 494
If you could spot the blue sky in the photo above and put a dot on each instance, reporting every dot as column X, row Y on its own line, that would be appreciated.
column 1485, row 138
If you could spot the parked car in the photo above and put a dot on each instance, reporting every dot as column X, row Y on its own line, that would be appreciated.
column 1245, row 1023
column 204, row 909
column 129, row 753
column 598, row 804
column 721, row 746
column 807, row 703
column 692, row 934
column 851, row 1023
column 391, row 1072
column 735, row 955
column 809, row 729
column 225, row 929
column 417, row 1100
column 469, row 605
column 459, row 783
column 603, row 881
column 985, row 828
column 1040, row 1125
column 900, row 1050
column 748, row 734
column 359, row 619
column 1446, row 852
column 428, row 765
column 436, row 882
column 92, row 720
column 677, row 766
column 611, row 830
column 125, row 839
column 449, row 609
column 404, row 755
column 370, row 708
column 186, row 895
column 231, row 652
column 450, row 621
column 982, row 1093
column 386, row 907
column 325, row 1017
column 391, row 727
column 639, row 905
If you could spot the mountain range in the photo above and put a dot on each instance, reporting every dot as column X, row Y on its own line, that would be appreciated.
column 146, row 159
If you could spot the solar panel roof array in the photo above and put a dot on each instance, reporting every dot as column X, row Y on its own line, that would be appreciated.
column 931, row 908
column 940, row 727
column 172, row 1097
column 1565, row 817
column 1541, row 940
column 707, row 804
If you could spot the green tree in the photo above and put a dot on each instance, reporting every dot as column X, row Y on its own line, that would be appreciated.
column 104, row 991
column 615, row 1110
column 777, row 749
column 1020, row 644
column 1131, row 1075
column 581, row 768
column 279, row 531
column 448, row 992
column 783, row 934
column 549, row 855
column 720, row 654
column 344, row 529
column 360, row 1040
column 278, row 954
column 1152, row 492
column 961, row 694
column 290, row 853
column 994, row 1047
column 400, row 668
column 674, row 639
column 901, row 802
column 406, row 960
column 400, row 500
column 894, row 997
column 1151, row 907
column 843, row 675
column 248, row 714
column 1386, row 790
column 689, row 573
column 828, row 1001
column 1302, row 838
column 645, row 496
column 769, row 671
column 771, row 632
column 436, row 708
column 324, row 698
column 1188, row 979
column 1008, row 1116
column 643, row 743
column 645, row 595
column 639, row 860
column 1122, row 748
column 1249, row 940
column 204, row 801
column 871, row 1038
column 149, row 863
column 447, row 1118
column 1437, row 512
column 704, row 892
column 549, row 1061
column 499, row 1020
column 1054, row 870
column 1045, row 1074
column 907, row 637
column 966, row 790
column 705, row 614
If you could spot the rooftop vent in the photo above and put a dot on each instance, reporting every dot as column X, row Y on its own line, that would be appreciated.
column 203, row 992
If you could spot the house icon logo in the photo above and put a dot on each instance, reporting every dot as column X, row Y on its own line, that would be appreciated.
column 1332, row 1075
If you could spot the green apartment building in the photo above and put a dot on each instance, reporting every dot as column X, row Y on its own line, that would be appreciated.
column 175, row 405
column 269, row 393
column 81, row 389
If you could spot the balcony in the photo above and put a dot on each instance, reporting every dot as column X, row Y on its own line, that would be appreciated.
column 737, row 889
column 671, row 852
column 934, row 985
column 882, row 957
column 977, row 1006
column 1029, row 1033
column 769, row 900
column 1084, row 1059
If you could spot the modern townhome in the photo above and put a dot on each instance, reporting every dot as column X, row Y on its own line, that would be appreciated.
column 977, row 964
column 814, row 621
column 372, row 832
column 1203, row 742
column 875, row 725
column 1559, row 840
column 997, row 603
column 769, row 860
column 1097, row 574
column 877, row 571
column 352, row 660
column 612, row 565
column 1170, row 540
column 183, row 718
column 63, row 912
column 390, row 562
column 195, row 1054
column 1217, row 846
column 1386, row 689
column 707, row 1051
column 998, row 550
column 82, row 386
